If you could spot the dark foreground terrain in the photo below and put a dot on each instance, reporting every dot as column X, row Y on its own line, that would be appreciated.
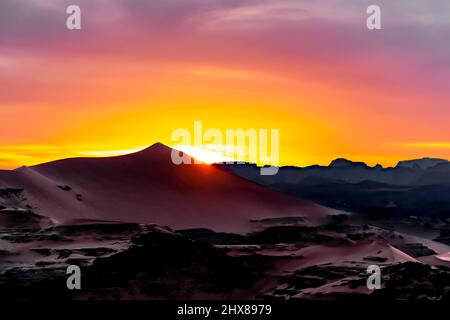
column 139, row 227
column 284, row 260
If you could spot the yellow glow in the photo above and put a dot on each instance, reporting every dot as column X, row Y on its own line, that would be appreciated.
column 110, row 153
column 205, row 154
column 426, row 145
column 121, row 107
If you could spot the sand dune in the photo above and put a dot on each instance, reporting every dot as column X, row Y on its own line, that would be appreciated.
column 146, row 187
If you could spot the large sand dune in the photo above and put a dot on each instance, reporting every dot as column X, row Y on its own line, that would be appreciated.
column 147, row 187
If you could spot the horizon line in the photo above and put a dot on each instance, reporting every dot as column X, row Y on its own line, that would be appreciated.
column 125, row 152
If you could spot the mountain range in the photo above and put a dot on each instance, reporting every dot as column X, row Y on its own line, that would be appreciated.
column 412, row 187
column 425, row 171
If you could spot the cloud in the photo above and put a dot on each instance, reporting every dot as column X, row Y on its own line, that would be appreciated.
column 319, row 41
column 264, row 15
column 425, row 145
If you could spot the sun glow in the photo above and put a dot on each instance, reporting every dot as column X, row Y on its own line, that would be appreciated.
column 206, row 154
column 426, row 145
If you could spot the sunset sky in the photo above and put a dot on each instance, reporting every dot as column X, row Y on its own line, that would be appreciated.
column 137, row 70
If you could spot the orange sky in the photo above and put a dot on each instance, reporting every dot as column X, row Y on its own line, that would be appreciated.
column 137, row 71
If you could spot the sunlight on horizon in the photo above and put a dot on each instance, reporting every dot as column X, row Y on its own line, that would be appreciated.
column 208, row 155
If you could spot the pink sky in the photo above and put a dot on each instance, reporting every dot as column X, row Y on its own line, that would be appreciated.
column 139, row 69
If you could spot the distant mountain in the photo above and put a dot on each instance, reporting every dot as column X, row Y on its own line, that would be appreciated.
column 424, row 163
column 406, row 173
column 344, row 163
column 146, row 187
column 413, row 187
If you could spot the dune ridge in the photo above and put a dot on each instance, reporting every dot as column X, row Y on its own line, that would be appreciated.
column 146, row 187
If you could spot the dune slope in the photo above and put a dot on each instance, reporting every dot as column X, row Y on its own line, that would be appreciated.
column 146, row 187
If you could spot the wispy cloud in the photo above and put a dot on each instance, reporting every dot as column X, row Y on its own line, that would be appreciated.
column 261, row 15
column 110, row 153
column 425, row 145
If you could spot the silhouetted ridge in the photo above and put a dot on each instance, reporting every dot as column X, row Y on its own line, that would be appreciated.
column 156, row 148
column 341, row 162
column 423, row 163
